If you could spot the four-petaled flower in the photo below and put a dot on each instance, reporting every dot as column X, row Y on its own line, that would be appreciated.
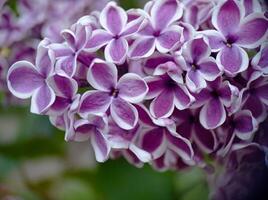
column 114, row 94
column 117, row 28
column 198, row 64
column 158, row 30
column 26, row 80
column 235, row 32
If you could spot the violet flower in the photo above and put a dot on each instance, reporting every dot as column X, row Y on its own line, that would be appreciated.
column 158, row 30
column 214, row 99
column 117, row 29
column 198, row 64
column 67, row 53
column 167, row 90
column 26, row 80
column 112, row 93
column 260, row 61
column 235, row 32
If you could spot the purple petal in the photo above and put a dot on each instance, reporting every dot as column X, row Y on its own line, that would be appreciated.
column 146, row 28
column 69, row 37
column 232, row 60
column 251, row 6
column 133, row 26
column 100, row 146
column 23, row 79
column 95, row 102
column 59, row 106
column 113, row 18
column 45, row 59
column 116, row 51
column 63, row 86
column 195, row 50
column 262, row 93
column 169, row 39
column 66, row 65
column 154, row 142
column 42, row 99
column 156, row 59
column 245, row 125
column 98, row 39
column 61, row 50
column 102, row 75
column 227, row 16
column 205, row 139
column 165, row 12
column 183, row 99
column 213, row 114
column 163, row 105
column 228, row 93
column 256, row 107
column 141, row 48
column 180, row 145
column 155, row 85
column 195, row 81
column 142, row 155
column 132, row 88
column 124, row 114
column 215, row 39
column 209, row 69
column 260, row 61
column 253, row 31
column 82, row 33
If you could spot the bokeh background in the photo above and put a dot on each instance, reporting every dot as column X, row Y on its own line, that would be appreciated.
column 36, row 163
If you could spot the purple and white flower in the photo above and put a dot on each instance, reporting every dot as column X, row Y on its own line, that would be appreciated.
column 198, row 64
column 234, row 32
column 167, row 90
column 113, row 93
column 26, row 80
column 114, row 36
column 158, row 30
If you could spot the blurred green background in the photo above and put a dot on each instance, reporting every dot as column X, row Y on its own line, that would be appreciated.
column 36, row 163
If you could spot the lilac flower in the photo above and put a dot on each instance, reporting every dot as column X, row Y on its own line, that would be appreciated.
column 117, row 29
column 167, row 90
column 197, row 12
column 241, row 125
column 198, row 64
column 254, row 96
column 26, row 80
column 235, row 31
column 260, row 61
column 188, row 126
column 65, row 89
column 68, row 52
column 214, row 99
column 125, row 140
column 95, row 129
column 158, row 31
column 157, row 139
column 113, row 94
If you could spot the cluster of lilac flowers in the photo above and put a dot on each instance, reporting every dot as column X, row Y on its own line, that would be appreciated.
column 24, row 24
column 172, row 84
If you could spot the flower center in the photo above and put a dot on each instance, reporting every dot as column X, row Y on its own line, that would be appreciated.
column 170, row 83
column 116, row 37
column 230, row 41
column 114, row 92
column 214, row 94
column 156, row 33
column 194, row 66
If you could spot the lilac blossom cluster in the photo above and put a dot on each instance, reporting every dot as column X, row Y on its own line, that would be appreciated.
column 171, row 84
column 23, row 26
